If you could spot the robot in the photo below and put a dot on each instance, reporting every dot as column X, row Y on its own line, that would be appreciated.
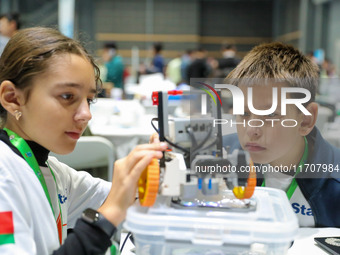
column 185, row 211
column 194, row 166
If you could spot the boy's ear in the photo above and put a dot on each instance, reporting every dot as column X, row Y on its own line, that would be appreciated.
column 11, row 98
column 308, row 121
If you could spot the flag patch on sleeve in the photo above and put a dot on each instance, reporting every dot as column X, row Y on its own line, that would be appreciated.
column 6, row 228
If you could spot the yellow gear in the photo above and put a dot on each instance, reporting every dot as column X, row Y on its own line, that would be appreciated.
column 248, row 191
column 148, row 184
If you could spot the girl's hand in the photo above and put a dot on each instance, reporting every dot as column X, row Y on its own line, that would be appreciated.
column 154, row 138
column 125, row 179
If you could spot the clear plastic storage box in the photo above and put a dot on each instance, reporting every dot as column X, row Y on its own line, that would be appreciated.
column 163, row 230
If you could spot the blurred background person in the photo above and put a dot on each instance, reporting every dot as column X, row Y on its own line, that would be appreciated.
column 199, row 67
column 173, row 70
column 310, row 55
column 157, row 63
column 228, row 61
column 114, row 71
column 9, row 25
column 327, row 69
column 186, row 59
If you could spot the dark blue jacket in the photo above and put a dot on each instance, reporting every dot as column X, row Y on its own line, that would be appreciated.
column 322, row 193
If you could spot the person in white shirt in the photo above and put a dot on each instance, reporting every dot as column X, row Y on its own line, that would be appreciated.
column 48, row 82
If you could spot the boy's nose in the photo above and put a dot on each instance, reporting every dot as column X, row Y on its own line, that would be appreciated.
column 253, row 131
column 83, row 113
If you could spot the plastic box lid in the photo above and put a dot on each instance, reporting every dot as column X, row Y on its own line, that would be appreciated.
column 272, row 222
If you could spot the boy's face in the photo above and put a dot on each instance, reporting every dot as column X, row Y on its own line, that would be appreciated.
column 271, row 142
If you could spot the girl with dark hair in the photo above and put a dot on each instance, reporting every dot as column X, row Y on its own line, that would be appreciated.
column 48, row 82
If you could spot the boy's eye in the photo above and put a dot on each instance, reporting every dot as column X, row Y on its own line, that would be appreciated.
column 246, row 114
column 271, row 115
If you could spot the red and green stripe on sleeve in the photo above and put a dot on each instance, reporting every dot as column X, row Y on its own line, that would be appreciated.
column 6, row 228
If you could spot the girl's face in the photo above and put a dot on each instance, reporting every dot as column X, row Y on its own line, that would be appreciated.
column 58, row 108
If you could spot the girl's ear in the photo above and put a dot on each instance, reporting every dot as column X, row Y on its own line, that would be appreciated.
column 10, row 97
column 308, row 121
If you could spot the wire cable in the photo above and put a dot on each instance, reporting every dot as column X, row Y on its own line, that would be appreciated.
column 127, row 236
column 192, row 136
column 169, row 142
column 156, row 129
column 198, row 147
column 211, row 144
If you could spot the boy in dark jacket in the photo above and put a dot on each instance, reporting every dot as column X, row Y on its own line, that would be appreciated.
column 285, row 138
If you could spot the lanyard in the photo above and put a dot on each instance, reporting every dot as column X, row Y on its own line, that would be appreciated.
column 28, row 155
column 293, row 185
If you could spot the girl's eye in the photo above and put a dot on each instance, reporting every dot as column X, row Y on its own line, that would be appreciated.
column 67, row 96
column 271, row 115
column 91, row 101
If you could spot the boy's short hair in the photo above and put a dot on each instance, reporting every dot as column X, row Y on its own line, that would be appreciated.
column 277, row 62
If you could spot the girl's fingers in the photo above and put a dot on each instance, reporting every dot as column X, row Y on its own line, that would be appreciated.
column 152, row 146
column 141, row 150
column 139, row 167
column 154, row 138
column 134, row 158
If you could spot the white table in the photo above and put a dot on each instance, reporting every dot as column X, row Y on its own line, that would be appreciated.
column 303, row 244
column 123, row 122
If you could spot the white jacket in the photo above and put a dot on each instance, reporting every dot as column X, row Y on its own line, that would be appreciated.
column 21, row 193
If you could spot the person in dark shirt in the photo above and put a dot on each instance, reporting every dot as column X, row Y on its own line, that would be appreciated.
column 228, row 61
column 199, row 67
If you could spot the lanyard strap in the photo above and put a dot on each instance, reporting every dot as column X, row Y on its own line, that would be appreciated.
column 293, row 185
column 28, row 155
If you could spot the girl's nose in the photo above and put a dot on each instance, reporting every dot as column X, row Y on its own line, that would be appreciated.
column 83, row 113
